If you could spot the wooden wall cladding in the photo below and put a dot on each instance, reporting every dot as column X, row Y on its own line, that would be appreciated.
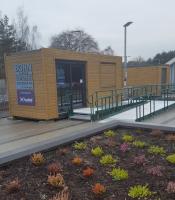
column 107, row 76
column 44, row 77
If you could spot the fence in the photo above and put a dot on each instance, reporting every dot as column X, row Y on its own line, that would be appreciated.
column 3, row 99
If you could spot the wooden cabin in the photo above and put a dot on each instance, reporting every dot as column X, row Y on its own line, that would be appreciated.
column 148, row 75
column 41, row 82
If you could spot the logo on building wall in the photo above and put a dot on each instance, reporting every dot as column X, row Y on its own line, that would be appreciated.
column 24, row 84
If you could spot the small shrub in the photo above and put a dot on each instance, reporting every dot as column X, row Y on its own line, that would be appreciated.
column 170, row 137
column 127, row 138
column 63, row 195
column 107, row 160
column 109, row 133
column 171, row 187
column 88, row 172
column 140, row 192
column 155, row 171
column 77, row 160
column 156, row 133
column 110, row 142
column 119, row 174
column 139, row 144
column 37, row 159
column 171, row 158
column 62, row 151
column 98, row 189
column 13, row 186
column 124, row 147
column 54, row 168
column 139, row 131
column 156, row 150
column 98, row 151
column 80, row 146
column 139, row 160
column 56, row 180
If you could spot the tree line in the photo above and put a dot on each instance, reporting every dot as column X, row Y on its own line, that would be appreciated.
column 158, row 59
column 16, row 36
column 19, row 36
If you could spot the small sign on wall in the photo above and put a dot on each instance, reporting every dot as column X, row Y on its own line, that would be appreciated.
column 24, row 84
column 26, row 97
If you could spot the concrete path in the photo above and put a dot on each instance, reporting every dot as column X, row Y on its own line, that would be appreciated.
column 130, row 115
column 12, row 130
column 20, row 138
column 14, row 149
column 167, row 118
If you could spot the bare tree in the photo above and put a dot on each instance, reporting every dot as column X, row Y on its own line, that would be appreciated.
column 28, row 36
column 138, row 61
column 76, row 40
column 108, row 51
column 34, row 37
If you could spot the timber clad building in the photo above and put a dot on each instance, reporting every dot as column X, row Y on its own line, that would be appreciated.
column 39, row 82
column 147, row 75
column 42, row 84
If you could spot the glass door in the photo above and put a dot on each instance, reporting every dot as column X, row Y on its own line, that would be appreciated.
column 70, row 76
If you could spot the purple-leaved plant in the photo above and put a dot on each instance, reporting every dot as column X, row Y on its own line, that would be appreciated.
column 124, row 147
column 139, row 160
column 155, row 171
column 171, row 187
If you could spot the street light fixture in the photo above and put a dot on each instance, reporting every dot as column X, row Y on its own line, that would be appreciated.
column 125, row 53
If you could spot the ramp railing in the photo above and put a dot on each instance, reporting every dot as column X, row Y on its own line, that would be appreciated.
column 148, row 108
column 108, row 102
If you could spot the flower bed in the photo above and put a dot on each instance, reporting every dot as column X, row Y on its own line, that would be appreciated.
column 120, row 164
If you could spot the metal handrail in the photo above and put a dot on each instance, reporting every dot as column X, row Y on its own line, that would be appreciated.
column 165, row 96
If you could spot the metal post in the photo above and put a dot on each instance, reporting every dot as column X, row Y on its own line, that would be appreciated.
column 125, row 58
column 125, row 53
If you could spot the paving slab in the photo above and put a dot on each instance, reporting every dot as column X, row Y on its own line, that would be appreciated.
column 167, row 117
column 25, row 146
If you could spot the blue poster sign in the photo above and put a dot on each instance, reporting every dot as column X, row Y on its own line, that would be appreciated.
column 24, row 79
column 26, row 97
column 24, row 84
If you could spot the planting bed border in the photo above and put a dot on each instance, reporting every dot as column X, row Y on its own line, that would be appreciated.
column 96, row 129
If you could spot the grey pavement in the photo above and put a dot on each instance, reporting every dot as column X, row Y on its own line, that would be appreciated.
column 166, row 118
column 21, row 138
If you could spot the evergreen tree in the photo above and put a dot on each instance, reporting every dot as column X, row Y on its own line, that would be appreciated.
column 7, row 40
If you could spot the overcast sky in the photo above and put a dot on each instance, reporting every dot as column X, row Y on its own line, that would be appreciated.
column 153, row 30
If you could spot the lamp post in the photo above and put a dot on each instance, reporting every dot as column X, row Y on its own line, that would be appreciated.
column 125, row 53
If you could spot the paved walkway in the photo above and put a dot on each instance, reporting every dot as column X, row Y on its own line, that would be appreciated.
column 26, row 136
column 130, row 115
column 21, row 138
column 12, row 130
column 167, row 118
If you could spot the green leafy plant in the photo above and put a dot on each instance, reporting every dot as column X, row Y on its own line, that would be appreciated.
column 127, row 138
column 171, row 158
column 107, row 160
column 156, row 150
column 80, row 145
column 140, row 192
column 109, row 133
column 139, row 144
column 98, row 151
column 139, row 131
column 119, row 174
